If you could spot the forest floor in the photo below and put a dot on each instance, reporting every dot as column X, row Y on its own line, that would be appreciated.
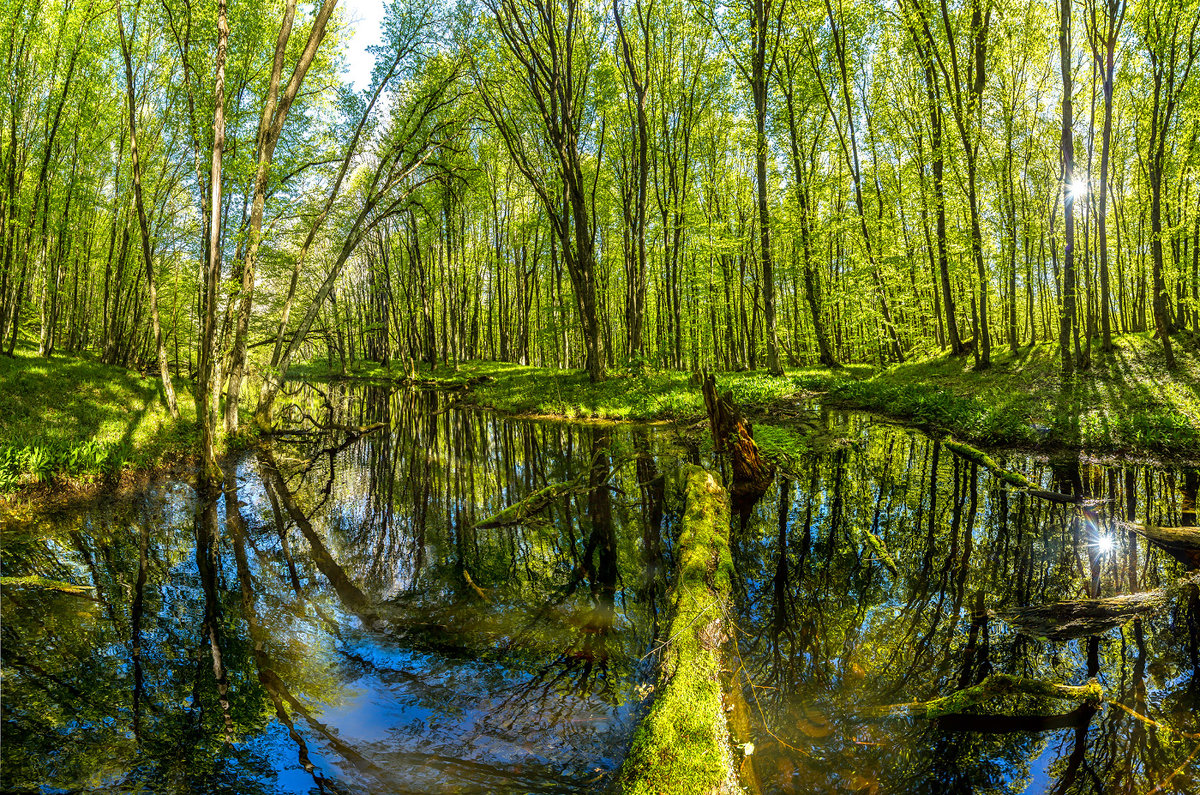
column 79, row 423
column 76, row 422
column 1126, row 402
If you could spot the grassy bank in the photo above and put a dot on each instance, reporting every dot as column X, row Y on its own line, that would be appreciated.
column 1126, row 402
column 660, row 395
column 74, row 420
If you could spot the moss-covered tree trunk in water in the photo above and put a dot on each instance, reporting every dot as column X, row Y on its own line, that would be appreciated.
column 682, row 746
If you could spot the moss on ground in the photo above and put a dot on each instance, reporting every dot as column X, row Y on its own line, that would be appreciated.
column 1126, row 402
column 682, row 745
column 69, row 419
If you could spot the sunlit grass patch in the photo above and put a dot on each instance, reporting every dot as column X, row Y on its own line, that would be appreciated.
column 79, row 419
column 1125, row 400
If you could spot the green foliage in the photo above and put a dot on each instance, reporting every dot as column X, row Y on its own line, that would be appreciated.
column 75, row 419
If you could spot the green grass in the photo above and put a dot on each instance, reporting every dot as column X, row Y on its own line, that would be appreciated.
column 74, row 419
column 517, row 389
column 1125, row 402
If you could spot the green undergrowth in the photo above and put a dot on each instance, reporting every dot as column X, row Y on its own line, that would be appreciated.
column 1125, row 401
column 682, row 744
column 657, row 395
column 74, row 419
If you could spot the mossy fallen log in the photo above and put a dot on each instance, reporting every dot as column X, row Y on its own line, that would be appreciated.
column 1181, row 543
column 881, row 552
column 1079, row 618
column 1014, row 479
column 531, row 506
column 983, row 459
column 992, row 687
column 682, row 745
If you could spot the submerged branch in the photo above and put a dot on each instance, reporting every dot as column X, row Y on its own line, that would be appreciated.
column 1082, row 617
column 992, row 687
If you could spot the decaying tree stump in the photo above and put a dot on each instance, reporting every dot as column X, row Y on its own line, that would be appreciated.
column 752, row 474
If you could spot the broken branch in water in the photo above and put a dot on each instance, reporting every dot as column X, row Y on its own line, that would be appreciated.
column 991, row 687
column 1014, row 479
column 532, row 505
column 1081, row 617
column 752, row 474
column 528, row 508
column 977, row 456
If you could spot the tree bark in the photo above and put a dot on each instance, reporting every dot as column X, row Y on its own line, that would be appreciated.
column 143, row 226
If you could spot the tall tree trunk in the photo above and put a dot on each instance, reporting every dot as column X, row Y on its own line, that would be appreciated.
column 210, row 473
column 151, row 288
column 274, row 114
column 1067, row 313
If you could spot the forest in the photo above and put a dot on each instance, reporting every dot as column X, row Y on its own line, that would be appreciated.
column 668, row 185
column 631, row 396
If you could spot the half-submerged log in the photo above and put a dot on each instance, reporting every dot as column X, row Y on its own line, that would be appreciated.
column 1014, row 479
column 881, row 552
column 752, row 474
column 531, row 506
column 992, row 687
column 1181, row 543
column 983, row 459
column 1082, row 617
column 683, row 743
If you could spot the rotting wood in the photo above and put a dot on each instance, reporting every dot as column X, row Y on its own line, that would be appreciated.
column 881, row 552
column 1079, row 618
column 752, row 474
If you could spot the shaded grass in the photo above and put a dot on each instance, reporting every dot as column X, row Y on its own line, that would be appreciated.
column 75, row 419
column 1126, row 401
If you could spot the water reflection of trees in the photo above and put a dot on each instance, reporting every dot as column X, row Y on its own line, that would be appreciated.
column 225, row 619
column 343, row 557
column 829, row 634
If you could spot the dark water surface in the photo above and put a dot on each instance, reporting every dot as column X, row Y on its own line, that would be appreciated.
column 335, row 622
